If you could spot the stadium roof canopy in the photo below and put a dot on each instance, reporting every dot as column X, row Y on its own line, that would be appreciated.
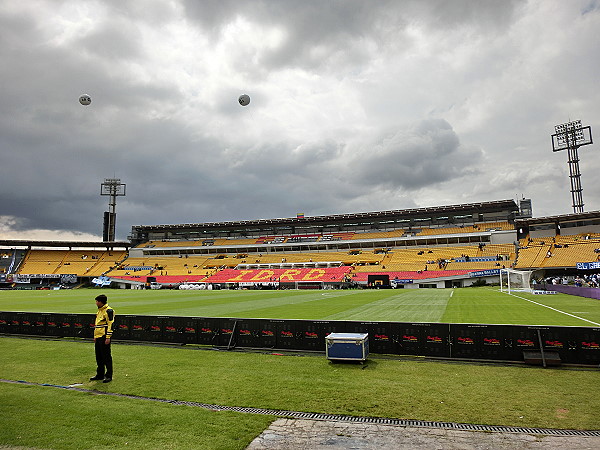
column 563, row 218
column 14, row 243
column 469, row 212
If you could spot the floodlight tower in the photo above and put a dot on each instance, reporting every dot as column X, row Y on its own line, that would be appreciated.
column 570, row 136
column 113, row 188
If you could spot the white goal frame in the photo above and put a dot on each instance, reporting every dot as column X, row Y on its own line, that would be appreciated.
column 515, row 280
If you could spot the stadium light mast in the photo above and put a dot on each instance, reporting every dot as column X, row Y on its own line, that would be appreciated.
column 570, row 136
column 113, row 188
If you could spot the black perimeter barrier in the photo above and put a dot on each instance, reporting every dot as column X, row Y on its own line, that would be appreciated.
column 543, row 345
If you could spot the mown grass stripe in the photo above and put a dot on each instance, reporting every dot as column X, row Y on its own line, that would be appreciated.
column 427, row 305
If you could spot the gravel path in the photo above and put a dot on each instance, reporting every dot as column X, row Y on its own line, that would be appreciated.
column 296, row 434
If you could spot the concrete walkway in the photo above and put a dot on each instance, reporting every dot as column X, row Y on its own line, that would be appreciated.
column 297, row 434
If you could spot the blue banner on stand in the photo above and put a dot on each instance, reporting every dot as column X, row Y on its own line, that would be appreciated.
column 588, row 265
column 485, row 273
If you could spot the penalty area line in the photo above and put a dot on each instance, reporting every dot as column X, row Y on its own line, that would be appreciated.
column 554, row 309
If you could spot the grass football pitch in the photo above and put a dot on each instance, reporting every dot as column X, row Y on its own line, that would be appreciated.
column 467, row 305
column 408, row 388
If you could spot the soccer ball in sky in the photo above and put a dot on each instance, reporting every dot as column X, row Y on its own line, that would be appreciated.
column 244, row 99
column 85, row 99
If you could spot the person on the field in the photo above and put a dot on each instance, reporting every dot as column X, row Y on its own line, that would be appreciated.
column 103, row 331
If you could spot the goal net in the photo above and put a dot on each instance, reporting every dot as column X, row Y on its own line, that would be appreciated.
column 515, row 280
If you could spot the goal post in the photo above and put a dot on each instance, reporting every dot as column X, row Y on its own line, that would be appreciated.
column 515, row 280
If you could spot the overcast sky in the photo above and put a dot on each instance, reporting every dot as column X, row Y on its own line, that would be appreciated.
column 355, row 106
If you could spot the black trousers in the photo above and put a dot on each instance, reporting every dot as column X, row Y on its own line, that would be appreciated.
column 103, row 358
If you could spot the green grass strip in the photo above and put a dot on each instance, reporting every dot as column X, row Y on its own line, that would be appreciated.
column 32, row 416
column 404, row 389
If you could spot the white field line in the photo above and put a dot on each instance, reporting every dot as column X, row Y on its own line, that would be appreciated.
column 452, row 293
column 554, row 309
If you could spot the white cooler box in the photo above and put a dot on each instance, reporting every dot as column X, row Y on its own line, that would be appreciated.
column 347, row 346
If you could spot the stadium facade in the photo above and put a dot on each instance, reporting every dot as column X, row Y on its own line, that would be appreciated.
column 408, row 219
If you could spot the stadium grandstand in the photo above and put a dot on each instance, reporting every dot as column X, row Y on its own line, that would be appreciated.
column 435, row 247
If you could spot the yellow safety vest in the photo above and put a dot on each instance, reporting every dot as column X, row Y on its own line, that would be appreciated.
column 105, row 318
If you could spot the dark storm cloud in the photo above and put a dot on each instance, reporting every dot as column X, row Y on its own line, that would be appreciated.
column 285, row 158
column 53, row 165
column 487, row 13
column 55, row 152
column 424, row 155
column 333, row 85
column 342, row 33
column 270, row 181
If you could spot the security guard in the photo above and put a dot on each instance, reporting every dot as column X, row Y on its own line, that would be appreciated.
column 102, row 336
